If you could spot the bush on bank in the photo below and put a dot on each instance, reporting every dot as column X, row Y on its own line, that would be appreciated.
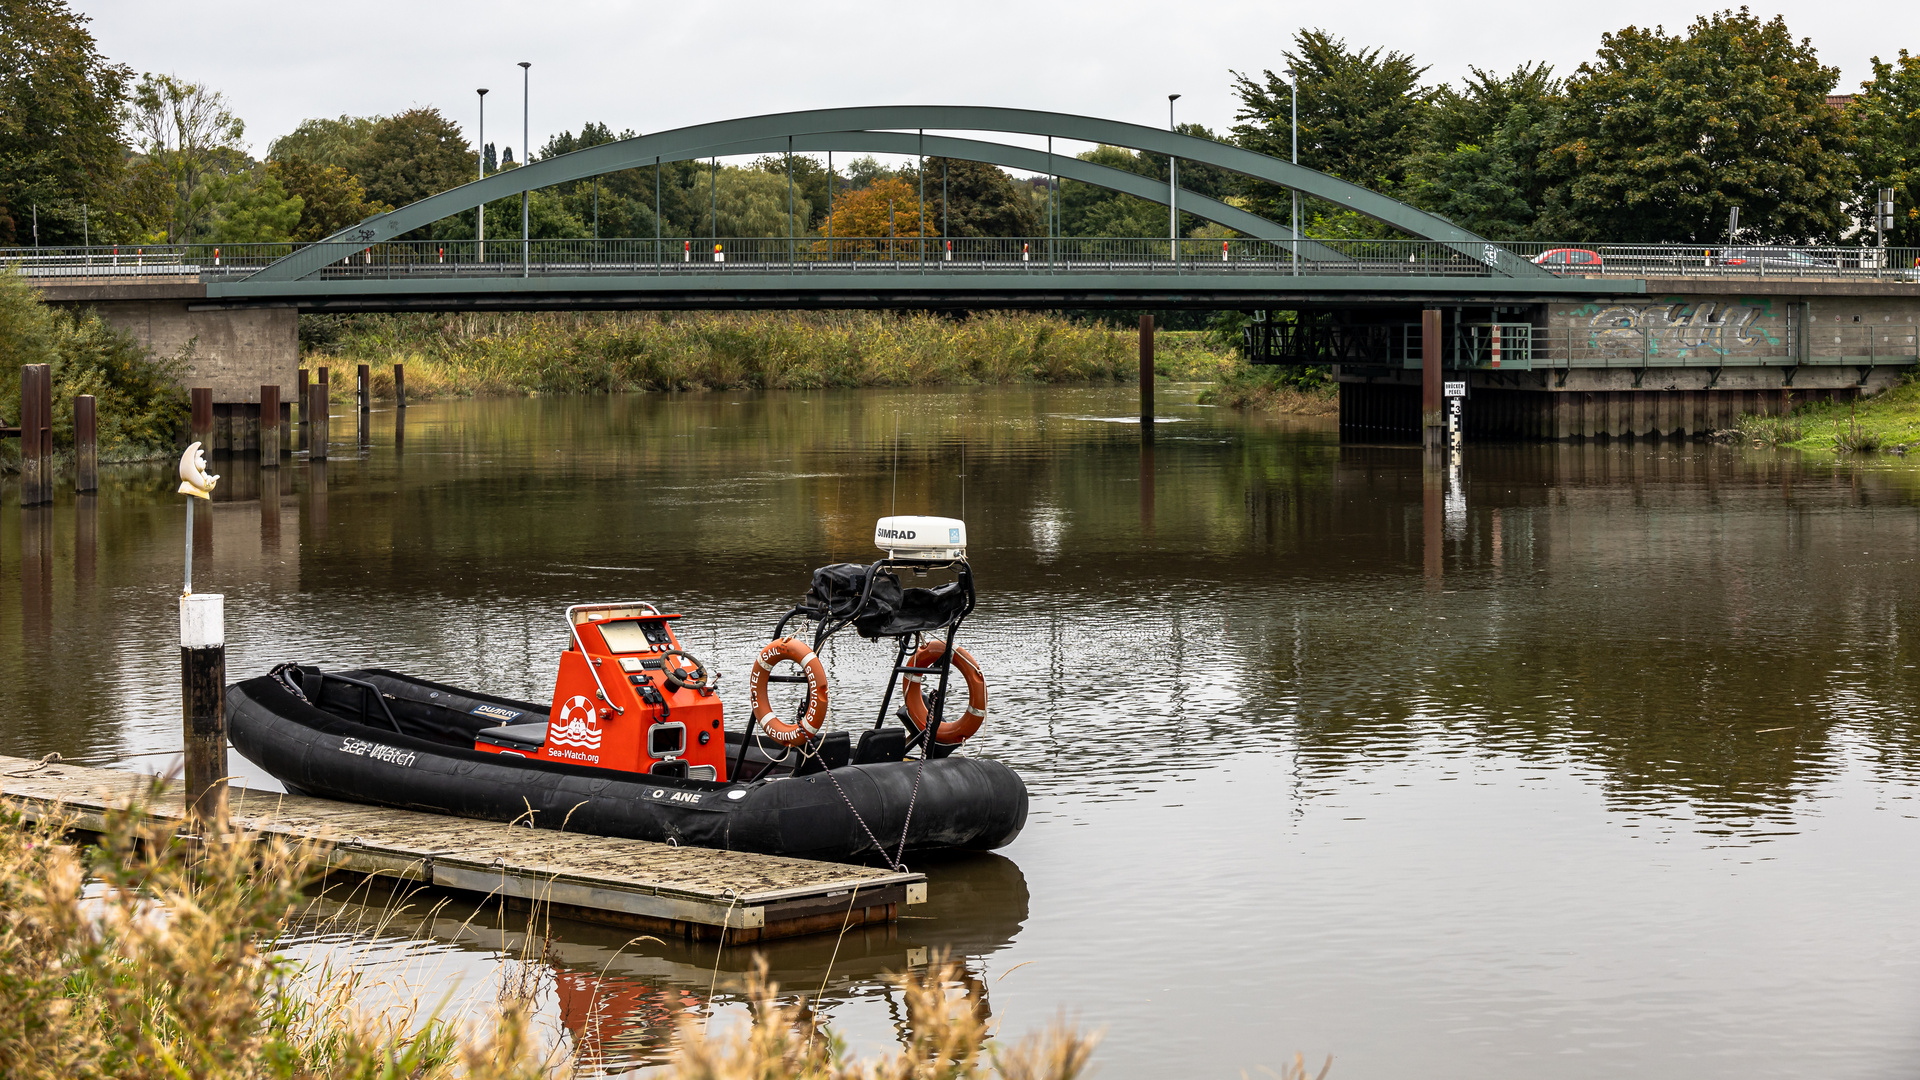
column 141, row 406
column 1301, row 391
column 595, row 352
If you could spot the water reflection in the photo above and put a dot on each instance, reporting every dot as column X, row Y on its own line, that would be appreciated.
column 1272, row 695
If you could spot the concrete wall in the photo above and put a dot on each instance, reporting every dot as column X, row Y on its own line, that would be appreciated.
column 234, row 352
column 1697, row 328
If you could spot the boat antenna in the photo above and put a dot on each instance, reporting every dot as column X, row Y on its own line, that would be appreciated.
column 896, row 465
column 963, row 477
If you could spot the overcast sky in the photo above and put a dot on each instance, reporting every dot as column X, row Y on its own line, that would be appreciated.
column 655, row 66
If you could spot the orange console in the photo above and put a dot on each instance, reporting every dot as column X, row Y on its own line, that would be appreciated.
column 627, row 698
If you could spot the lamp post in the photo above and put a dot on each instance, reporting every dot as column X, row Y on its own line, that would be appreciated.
column 1293, row 118
column 480, row 224
column 1173, row 187
column 526, row 158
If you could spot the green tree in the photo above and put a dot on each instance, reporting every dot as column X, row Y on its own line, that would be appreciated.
column 60, row 106
column 1487, row 164
column 327, row 142
column 748, row 203
column 622, row 202
column 1092, row 210
column 1663, row 134
column 1886, row 121
column 251, row 206
column 412, row 155
column 981, row 200
column 187, row 131
column 330, row 197
column 1362, row 114
column 809, row 182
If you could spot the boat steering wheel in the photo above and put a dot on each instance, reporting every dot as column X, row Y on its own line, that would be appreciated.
column 692, row 677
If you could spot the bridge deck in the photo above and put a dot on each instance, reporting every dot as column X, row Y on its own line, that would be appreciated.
column 693, row 892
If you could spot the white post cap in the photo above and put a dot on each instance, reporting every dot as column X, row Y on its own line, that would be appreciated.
column 203, row 621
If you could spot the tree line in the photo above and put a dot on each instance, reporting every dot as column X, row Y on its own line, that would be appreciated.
column 1655, row 139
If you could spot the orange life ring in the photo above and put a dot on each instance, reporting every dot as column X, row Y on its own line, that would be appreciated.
column 952, row 731
column 784, row 731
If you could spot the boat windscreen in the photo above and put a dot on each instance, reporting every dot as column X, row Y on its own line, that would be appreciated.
column 634, row 635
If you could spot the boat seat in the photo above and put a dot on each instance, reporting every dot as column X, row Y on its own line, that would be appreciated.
column 832, row 751
column 880, row 744
column 516, row 736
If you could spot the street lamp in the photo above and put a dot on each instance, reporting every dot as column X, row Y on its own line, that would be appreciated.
column 1293, row 118
column 480, row 225
column 526, row 158
column 1173, row 187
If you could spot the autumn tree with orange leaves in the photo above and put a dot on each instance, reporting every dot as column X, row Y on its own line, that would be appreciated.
column 863, row 221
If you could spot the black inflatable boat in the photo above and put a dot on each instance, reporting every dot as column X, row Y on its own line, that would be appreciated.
column 634, row 744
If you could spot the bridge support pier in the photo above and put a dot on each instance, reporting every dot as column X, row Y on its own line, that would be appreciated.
column 1432, row 420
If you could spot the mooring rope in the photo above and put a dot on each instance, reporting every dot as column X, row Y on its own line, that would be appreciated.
column 43, row 763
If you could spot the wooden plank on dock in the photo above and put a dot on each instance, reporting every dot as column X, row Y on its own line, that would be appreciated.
column 693, row 892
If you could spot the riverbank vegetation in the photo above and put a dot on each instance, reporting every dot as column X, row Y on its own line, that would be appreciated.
column 1889, row 421
column 614, row 352
column 144, row 957
column 141, row 407
column 1300, row 391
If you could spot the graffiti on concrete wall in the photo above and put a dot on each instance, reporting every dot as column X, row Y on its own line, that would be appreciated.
column 1677, row 328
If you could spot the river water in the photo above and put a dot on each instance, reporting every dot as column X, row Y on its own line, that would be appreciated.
column 1611, row 771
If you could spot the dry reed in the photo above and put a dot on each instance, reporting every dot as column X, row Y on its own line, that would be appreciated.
column 483, row 354
column 147, row 956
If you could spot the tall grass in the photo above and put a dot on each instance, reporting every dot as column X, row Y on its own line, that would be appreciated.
column 1303, row 391
column 145, row 956
column 1769, row 430
column 572, row 353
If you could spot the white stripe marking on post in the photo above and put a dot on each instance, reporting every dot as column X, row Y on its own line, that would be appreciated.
column 203, row 621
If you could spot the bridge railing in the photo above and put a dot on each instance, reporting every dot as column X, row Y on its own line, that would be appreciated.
column 964, row 255
column 1602, row 343
column 1722, row 260
column 865, row 254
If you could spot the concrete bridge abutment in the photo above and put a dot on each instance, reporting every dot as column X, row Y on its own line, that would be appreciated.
column 1649, row 367
column 233, row 352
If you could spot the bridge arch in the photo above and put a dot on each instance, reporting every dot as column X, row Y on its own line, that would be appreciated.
column 873, row 128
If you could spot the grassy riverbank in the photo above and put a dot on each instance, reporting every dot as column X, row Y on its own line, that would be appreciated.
column 466, row 355
column 144, row 958
column 1888, row 422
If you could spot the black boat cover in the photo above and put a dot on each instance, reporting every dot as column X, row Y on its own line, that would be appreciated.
column 890, row 610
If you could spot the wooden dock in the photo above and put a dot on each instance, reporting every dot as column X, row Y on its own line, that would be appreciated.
column 690, row 892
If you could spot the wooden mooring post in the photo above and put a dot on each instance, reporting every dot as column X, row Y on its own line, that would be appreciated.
column 203, row 713
column 86, row 445
column 302, row 396
column 1146, row 377
column 36, row 434
column 269, row 427
column 399, row 386
column 317, row 399
column 200, row 427
column 363, row 387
